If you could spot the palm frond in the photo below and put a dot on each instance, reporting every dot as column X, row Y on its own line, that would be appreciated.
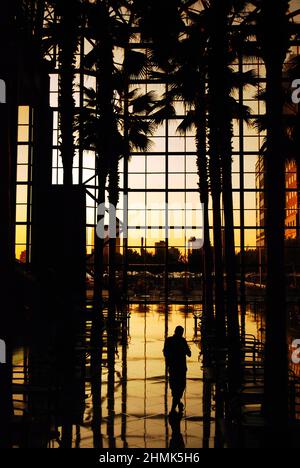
column 135, row 64
column 239, row 112
column 139, row 141
column 166, row 112
column 90, row 97
column 188, row 123
column 141, row 125
column 143, row 103
column 237, row 79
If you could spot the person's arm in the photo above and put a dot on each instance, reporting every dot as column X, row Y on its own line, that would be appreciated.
column 188, row 350
column 165, row 350
column 166, row 353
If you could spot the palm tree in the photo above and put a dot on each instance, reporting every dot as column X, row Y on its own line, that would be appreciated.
column 212, row 61
column 136, row 138
column 215, row 164
column 161, row 24
column 108, row 30
column 187, row 82
column 64, row 34
column 274, row 47
column 108, row 126
column 223, row 109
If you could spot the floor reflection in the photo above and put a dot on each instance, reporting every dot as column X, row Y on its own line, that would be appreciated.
column 125, row 401
column 177, row 440
column 135, row 396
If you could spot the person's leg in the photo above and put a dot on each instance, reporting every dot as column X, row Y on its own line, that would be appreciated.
column 174, row 390
column 176, row 400
column 181, row 388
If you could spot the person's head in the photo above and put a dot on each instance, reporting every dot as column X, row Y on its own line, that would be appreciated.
column 179, row 331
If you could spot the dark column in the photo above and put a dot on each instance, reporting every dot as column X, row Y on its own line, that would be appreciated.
column 8, row 129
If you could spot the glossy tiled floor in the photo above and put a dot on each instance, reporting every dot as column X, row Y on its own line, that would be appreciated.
column 142, row 421
column 128, row 405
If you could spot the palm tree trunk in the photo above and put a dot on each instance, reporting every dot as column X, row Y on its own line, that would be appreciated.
column 98, row 249
column 215, row 177
column 105, row 66
column 276, row 331
column 66, row 95
column 230, row 261
column 113, row 200
column 66, row 125
column 215, row 72
column 215, row 181
column 125, row 175
column 202, row 164
column 274, row 48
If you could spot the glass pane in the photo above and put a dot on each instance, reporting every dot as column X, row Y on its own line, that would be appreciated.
column 23, row 151
column 22, row 193
column 21, row 213
column 23, row 133
column 137, row 164
column 22, row 173
column 177, row 181
column 21, row 234
column 156, row 164
column 20, row 253
column 136, row 181
column 176, row 163
column 23, row 118
column 156, row 181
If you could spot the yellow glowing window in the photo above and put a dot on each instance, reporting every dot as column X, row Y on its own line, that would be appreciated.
column 24, row 115
column 24, row 179
column 21, row 213
column 22, row 194
column 21, row 234
column 23, row 152
column 22, row 173
column 23, row 133
column 20, row 252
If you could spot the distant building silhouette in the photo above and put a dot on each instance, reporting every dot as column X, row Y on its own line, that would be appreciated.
column 159, row 246
column 292, row 202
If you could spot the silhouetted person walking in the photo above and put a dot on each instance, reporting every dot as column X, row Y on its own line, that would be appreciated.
column 175, row 351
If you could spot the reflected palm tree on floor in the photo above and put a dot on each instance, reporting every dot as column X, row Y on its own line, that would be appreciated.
column 96, row 382
column 274, row 48
column 124, row 384
column 111, row 362
column 207, row 396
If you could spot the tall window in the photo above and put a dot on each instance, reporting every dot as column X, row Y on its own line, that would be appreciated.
column 24, row 184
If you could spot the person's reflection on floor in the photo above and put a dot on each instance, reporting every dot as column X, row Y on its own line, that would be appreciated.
column 176, row 441
column 175, row 351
